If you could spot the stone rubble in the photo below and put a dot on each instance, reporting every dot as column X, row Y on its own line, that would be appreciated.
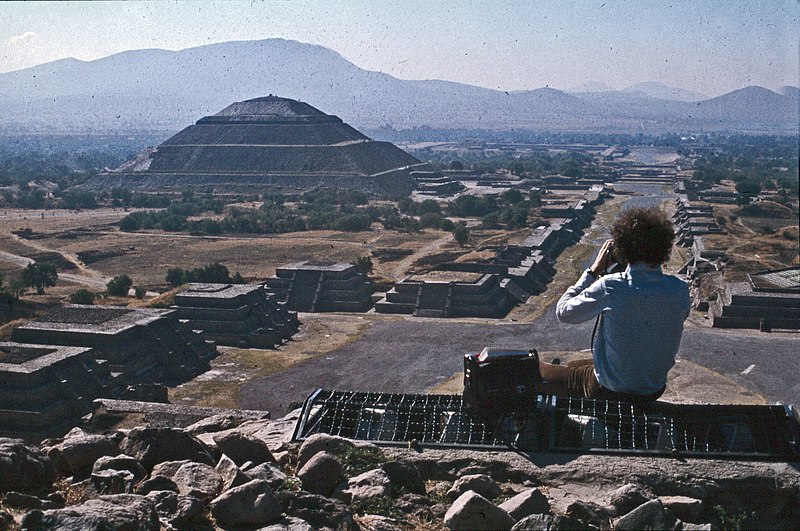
column 167, row 478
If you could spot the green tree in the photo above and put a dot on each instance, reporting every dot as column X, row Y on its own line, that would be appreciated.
column 364, row 264
column 119, row 285
column 461, row 234
column 175, row 276
column 140, row 292
column 39, row 275
column 512, row 196
column 82, row 296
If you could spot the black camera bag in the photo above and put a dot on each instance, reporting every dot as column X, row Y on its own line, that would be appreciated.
column 501, row 381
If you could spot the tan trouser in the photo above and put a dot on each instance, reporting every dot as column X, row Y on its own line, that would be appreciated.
column 577, row 379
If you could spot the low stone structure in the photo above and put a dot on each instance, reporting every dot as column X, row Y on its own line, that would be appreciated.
column 313, row 286
column 479, row 289
column 453, row 294
column 46, row 389
column 136, row 346
column 693, row 219
column 768, row 300
column 238, row 315
column 435, row 183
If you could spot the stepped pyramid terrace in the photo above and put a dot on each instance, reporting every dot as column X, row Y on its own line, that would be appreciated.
column 314, row 286
column 46, row 389
column 238, row 315
column 263, row 144
column 141, row 346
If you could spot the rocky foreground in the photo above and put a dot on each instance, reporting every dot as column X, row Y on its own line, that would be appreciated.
column 228, row 473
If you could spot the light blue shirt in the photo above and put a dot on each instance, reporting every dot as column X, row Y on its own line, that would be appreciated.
column 640, row 331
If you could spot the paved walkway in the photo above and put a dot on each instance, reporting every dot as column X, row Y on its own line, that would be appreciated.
column 413, row 355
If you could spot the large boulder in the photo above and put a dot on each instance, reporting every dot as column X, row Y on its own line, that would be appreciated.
column 630, row 496
column 120, row 462
column 269, row 472
column 405, row 475
column 289, row 523
column 242, row 448
column 168, row 468
column 177, row 509
column 319, row 511
column 79, row 450
column 113, row 481
column 651, row 515
column 156, row 445
column 684, row 508
column 371, row 484
column 250, row 504
column 588, row 512
column 121, row 512
column 321, row 474
column 156, row 483
column 23, row 467
column 480, row 483
column 546, row 522
column 471, row 511
column 322, row 442
column 526, row 503
column 231, row 475
column 199, row 480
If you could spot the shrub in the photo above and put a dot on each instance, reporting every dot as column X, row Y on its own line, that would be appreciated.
column 364, row 264
column 82, row 296
column 140, row 292
column 119, row 286
column 39, row 275
column 431, row 220
column 174, row 276
column 461, row 234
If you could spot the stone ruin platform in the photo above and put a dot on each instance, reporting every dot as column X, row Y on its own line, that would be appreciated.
column 491, row 289
column 768, row 300
column 237, row 315
column 135, row 346
column 463, row 295
column 313, row 286
column 46, row 389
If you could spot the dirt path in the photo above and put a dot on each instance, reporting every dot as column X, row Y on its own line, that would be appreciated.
column 401, row 268
column 87, row 276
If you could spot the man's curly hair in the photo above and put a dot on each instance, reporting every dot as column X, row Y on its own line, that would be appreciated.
column 643, row 235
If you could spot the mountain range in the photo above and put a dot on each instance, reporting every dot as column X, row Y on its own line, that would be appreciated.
column 160, row 90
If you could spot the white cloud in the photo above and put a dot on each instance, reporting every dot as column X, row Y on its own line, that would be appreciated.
column 22, row 39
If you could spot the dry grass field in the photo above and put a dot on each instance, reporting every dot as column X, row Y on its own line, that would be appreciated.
column 68, row 238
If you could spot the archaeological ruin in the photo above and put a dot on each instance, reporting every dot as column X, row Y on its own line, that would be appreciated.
column 237, row 315
column 315, row 286
column 767, row 300
column 46, row 389
column 491, row 289
column 142, row 346
column 267, row 144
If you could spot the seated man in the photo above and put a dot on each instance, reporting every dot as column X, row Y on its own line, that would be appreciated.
column 641, row 313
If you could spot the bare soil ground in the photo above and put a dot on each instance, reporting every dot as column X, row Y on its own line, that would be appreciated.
column 755, row 242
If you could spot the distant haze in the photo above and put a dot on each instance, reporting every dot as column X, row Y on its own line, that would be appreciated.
column 145, row 90
column 695, row 48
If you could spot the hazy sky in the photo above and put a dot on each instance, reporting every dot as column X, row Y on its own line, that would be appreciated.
column 708, row 46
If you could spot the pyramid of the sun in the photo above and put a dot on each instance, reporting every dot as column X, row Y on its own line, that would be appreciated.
column 268, row 143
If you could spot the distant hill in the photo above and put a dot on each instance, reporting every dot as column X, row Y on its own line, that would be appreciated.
column 664, row 92
column 592, row 86
column 147, row 90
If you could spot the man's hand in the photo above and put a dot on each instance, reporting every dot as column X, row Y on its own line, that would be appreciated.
column 603, row 259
